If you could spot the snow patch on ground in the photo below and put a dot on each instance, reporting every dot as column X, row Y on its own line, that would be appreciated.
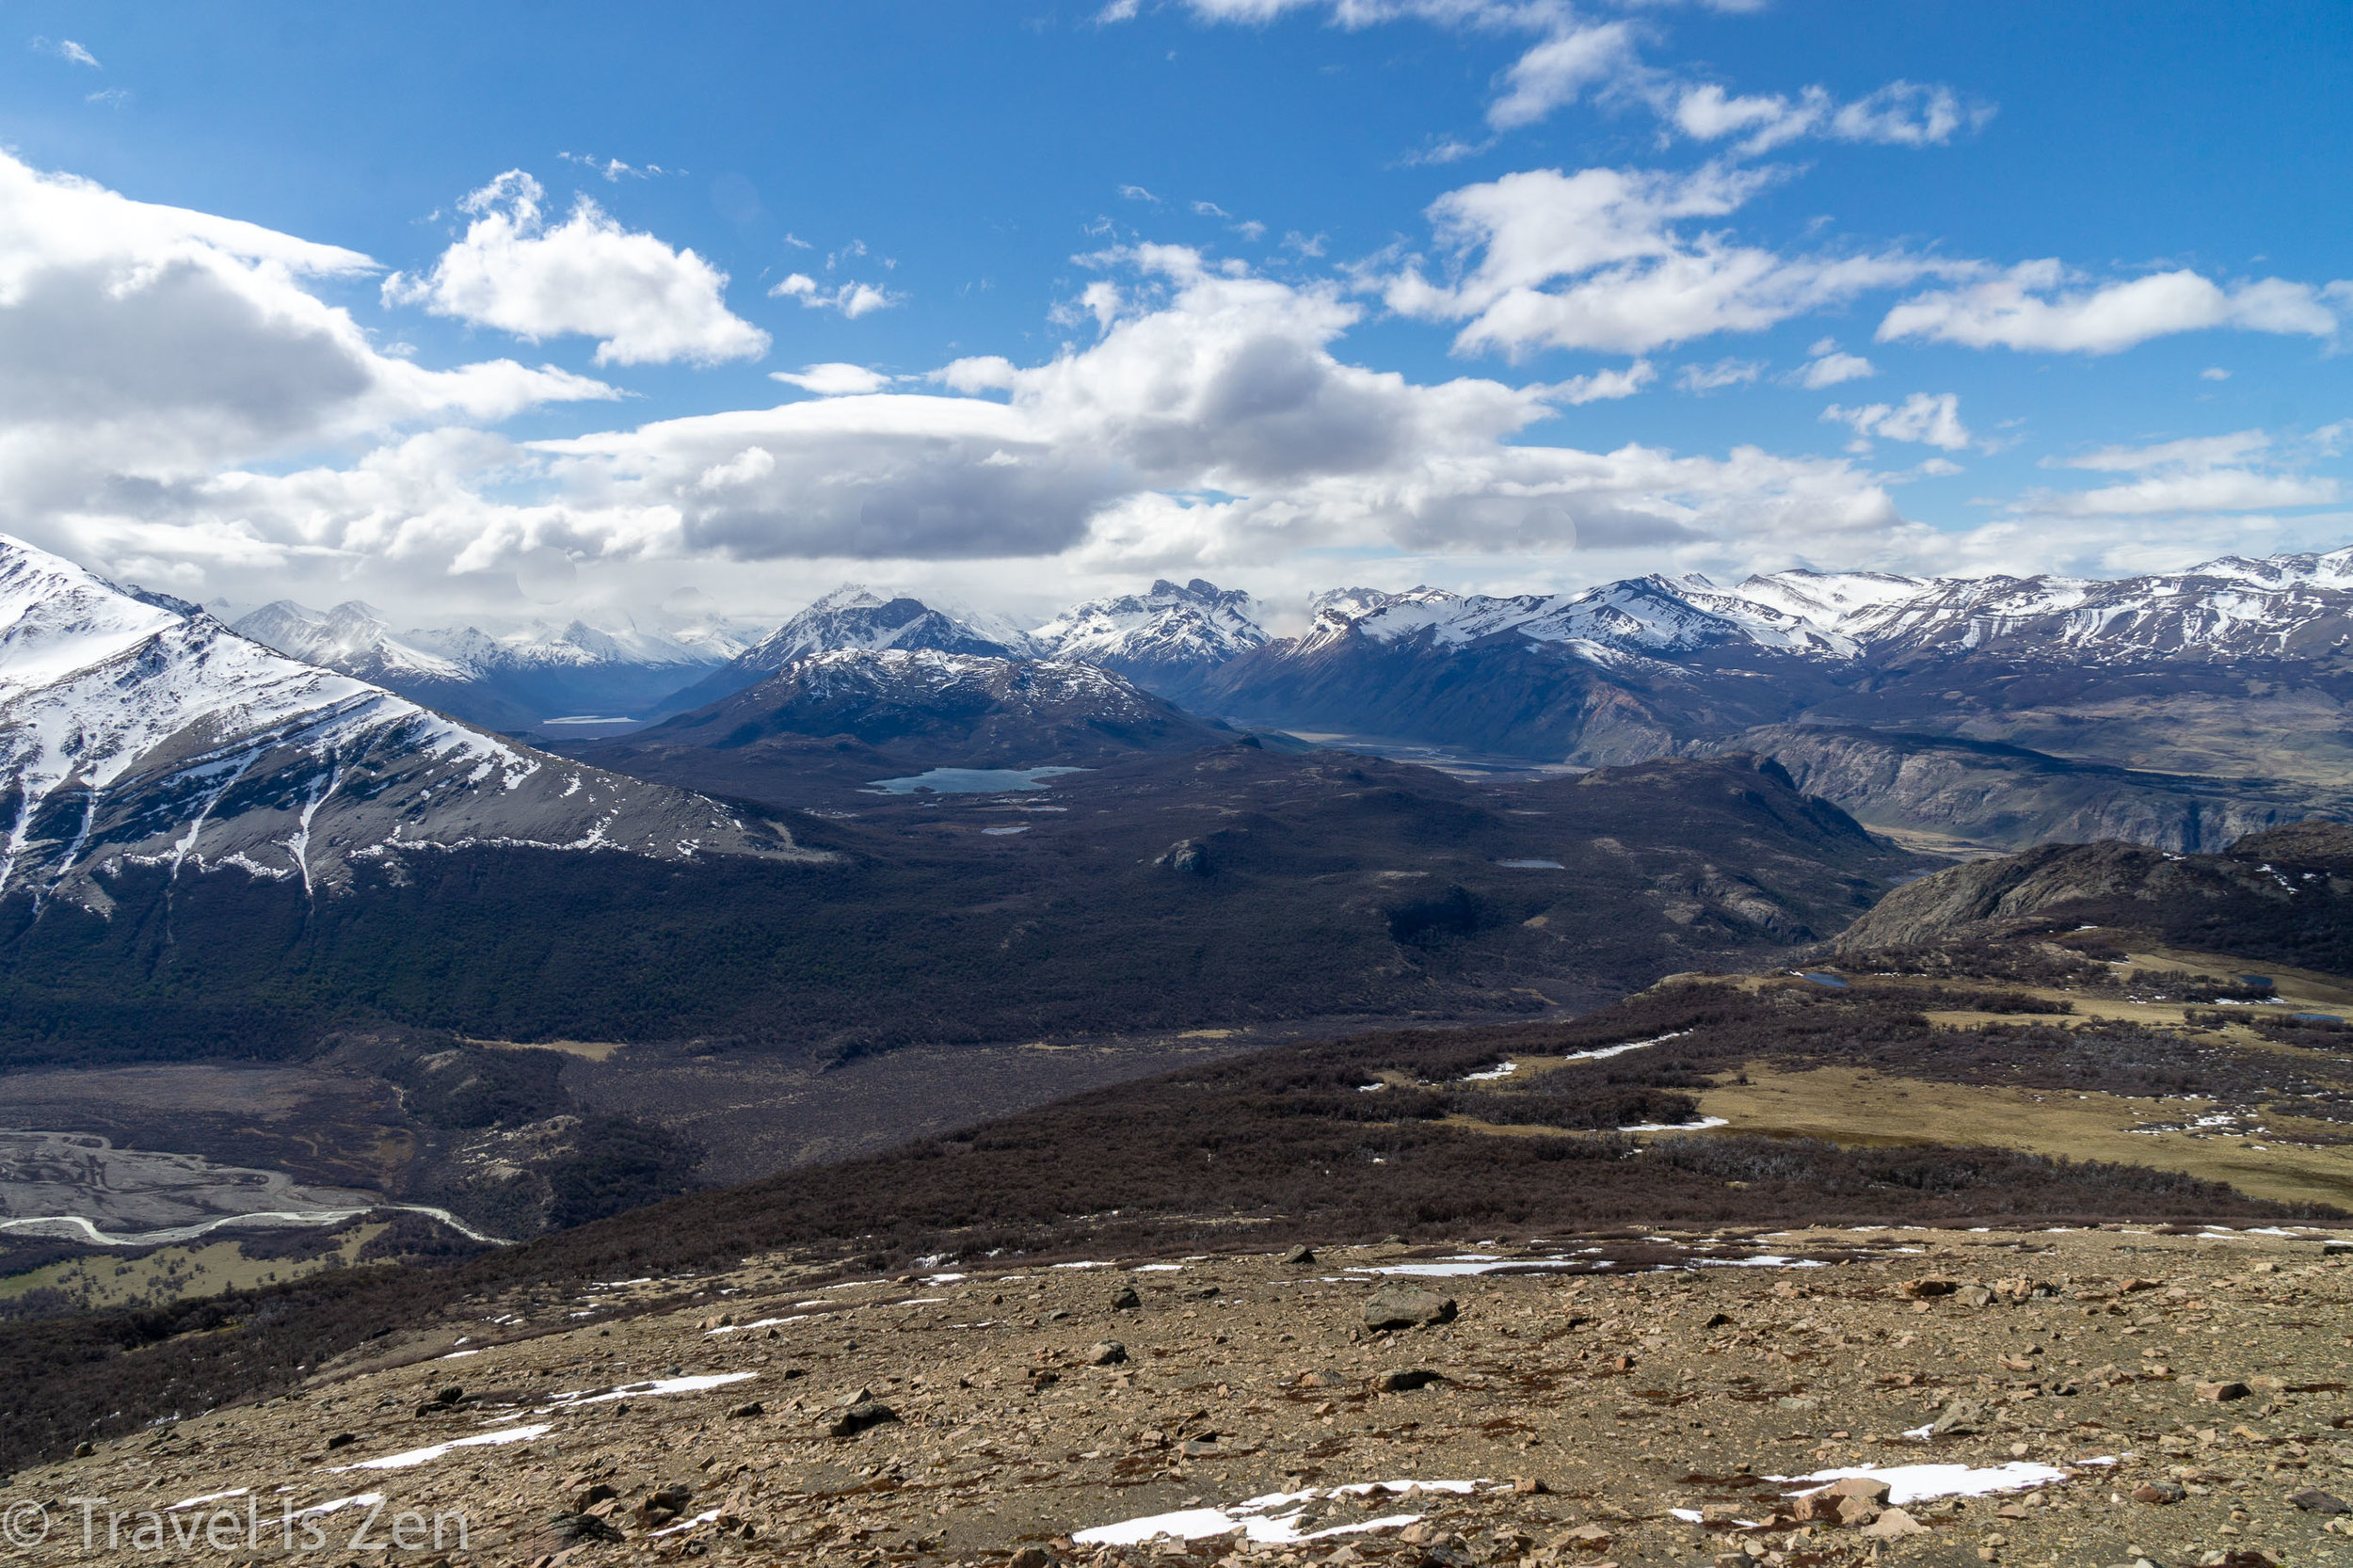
column 1919, row 1483
column 1271, row 1519
column 414, row 1456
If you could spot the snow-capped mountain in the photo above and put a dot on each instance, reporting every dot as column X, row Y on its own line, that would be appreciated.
column 137, row 730
column 1169, row 631
column 853, row 710
column 852, row 618
column 2232, row 608
column 516, row 678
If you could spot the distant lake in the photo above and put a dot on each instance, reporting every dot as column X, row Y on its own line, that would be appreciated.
column 971, row 781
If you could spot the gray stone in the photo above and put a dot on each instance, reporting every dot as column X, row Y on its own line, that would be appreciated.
column 1395, row 1307
column 1958, row 1419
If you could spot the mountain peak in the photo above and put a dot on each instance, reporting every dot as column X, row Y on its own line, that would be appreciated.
column 133, row 735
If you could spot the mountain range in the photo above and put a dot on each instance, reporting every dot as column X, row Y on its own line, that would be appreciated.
column 2181, row 709
column 522, row 678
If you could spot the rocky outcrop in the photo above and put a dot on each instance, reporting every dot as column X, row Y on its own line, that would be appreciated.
column 2009, row 796
column 2283, row 880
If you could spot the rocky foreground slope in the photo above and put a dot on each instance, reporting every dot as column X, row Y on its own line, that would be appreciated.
column 1904, row 1396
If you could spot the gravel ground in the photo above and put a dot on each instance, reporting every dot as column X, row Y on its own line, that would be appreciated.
column 2109, row 1395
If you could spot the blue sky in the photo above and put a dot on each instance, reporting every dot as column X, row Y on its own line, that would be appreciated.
column 1490, row 293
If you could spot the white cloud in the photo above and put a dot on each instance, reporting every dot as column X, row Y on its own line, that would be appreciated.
column 647, row 302
column 1210, row 425
column 1576, row 58
column 1902, row 114
column 2213, row 373
column 1933, row 421
column 2193, row 452
column 614, row 170
column 1829, row 368
column 1600, row 260
column 146, row 348
column 1560, row 70
column 67, row 50
column 2042, row 305
column 833, row 380
column 2242, row 471
column 1603, row 384
column 852, row 299
column 1702, row 379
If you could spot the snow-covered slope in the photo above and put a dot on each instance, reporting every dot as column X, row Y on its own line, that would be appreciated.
column 351, row 638
column 1168, row 630
column 852, row 618
column 135, row 729
column 509, row 677
column 2284, row 606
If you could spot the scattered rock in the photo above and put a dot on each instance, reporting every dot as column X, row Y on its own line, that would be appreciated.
column 592, row 1495
column 742, row 1412
column 1106, row 1352
column 1958, row 1419
column 566, row 1530
column 1126, row 1300
column 2221, row 1391
column 1404, row 1380
column 849, row 1421
column 2158, row 1493
column 1974, row 1295
column 1869, row 1488
column 1298, row 1256
column 1920, row 1290
column 341, row 1440
column 2313, row 1501
column 1717, row 1319
column 1796, row 1401
column 1395, row 1307
column 1893, row 1524
column 1029, row 1557
column 1528, row 1486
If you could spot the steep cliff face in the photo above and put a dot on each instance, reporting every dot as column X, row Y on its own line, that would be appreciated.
column 2008, row 796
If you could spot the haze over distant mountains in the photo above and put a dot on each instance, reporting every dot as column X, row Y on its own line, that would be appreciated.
column 2176, row 709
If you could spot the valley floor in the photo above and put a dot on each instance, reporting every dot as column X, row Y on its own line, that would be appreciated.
column 2038, row 1396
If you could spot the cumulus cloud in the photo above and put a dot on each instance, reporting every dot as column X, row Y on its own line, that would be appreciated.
column 646, row 302
column 1212, row 421
column 1557, row 72
column 1933, row 421
column 1828, row 368
column 2044, row 305
column 852, row 299
column 1605, row 258
column 144, row 347
column 1902, row 114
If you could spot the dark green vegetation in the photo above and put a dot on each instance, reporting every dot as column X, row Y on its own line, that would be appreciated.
column 1253, row 1150
column 1225, row 887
